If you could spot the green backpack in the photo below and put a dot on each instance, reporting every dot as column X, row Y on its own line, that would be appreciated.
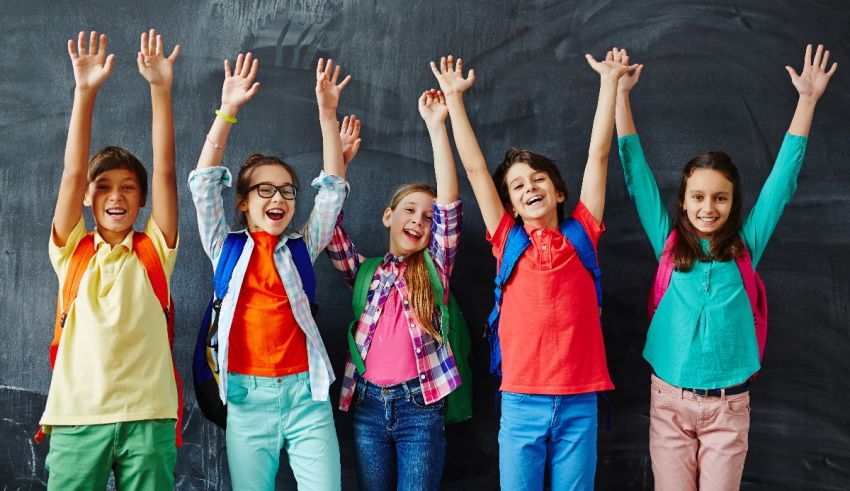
column 459, row 402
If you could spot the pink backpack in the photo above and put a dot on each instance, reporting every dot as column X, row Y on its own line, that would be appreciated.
column 752, row 284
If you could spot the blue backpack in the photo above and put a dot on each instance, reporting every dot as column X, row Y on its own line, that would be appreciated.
column 517, row 242
column 205, row 360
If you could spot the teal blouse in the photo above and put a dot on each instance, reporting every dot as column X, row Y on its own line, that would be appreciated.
column 702, row 335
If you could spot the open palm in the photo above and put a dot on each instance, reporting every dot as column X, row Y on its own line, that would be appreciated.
column 91, row 65
column 812, row 82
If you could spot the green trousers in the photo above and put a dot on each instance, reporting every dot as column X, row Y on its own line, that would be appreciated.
column 141, row 453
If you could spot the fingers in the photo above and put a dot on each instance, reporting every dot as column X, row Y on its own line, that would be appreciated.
column 253, row 90
column 423, row 99
column 442, row 64
column 609, row 56
column 823, row 63
column 470, row 77
column 320, row 68
column 335, row 76
column 101, row 48
column 343, row 128
column 174, row 53
column 818, row 54
column 227, row 72
column 254, row 67
column 433, row 66
column 81, row 44
column 807, row 59
column 792, row 72
column 246, row 65
column 92, row 43
column 441, row 98
column 344, row 82
column 832, row 70
column 107, row 66
column 459, row 66
column 152, row 42
column 590, row 60
column 237, row 70
column 72, row 52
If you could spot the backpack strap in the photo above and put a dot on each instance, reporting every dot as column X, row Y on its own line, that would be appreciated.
column 358, row 304
column 304, row 266
column 79, row 263
column 516, row 243
column 663, row 274
column 757, row 295
column 439, row 291
column 578, row 237
column 146, row 252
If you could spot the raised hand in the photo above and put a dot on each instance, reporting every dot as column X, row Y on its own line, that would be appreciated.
column 630, row 78
column 154, row 66
column 608, row 68
column 239, row 86
column 812, row 82
column 327, row 88
column 349, row 134
column 91, row 65
column 432, row 107
column 450, row 76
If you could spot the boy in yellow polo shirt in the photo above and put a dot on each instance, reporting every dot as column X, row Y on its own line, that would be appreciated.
column 113, row 402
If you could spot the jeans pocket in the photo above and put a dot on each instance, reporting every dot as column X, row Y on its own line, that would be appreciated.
column 67, row 429
column 418, row 400
column 359, row 393
column 237, row 391
column 660, row 397
column 513, row 397
column 738, row 405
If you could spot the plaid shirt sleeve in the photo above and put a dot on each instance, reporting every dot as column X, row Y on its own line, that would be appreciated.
column 320, row 226
column 206, row 186
column 343, row 254
column 445, row 235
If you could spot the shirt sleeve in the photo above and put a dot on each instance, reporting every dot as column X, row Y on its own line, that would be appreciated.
column 319, row 228
column 500, row 236
column 343, row 254
column 643, row 190
column 585, row 218
column 167, row 255
column 60, row 257
column 777, row 191
column 445, row 236
column 206, row 186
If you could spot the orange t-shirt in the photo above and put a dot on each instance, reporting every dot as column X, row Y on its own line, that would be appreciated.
column 265, row 339
column 549, row 328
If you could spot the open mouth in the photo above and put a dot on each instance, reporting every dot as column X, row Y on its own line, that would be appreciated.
column 708, row 220
column 276, row 214
column 116, row 212
column 412, row 234
column 533, row 200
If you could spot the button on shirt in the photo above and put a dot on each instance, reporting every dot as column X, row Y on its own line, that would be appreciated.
column 702, row 334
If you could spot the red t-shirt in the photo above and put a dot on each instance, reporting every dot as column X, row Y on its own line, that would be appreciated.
column 549, row 328
column 265, row 339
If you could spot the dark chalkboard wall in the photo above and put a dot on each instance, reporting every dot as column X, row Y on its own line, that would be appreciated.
column 714, row 79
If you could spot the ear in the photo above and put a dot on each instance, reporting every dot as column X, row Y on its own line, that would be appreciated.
column 87, row 198
column 387, row 218
column 560, row 197
column 241, row 204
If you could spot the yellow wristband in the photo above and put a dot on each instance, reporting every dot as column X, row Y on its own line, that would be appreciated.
column 225, row 117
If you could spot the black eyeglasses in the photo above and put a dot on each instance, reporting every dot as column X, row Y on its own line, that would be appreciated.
column 266, row 190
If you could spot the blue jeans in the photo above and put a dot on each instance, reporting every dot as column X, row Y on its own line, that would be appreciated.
column 267, row 414
column 400, row 441
column 540, row 431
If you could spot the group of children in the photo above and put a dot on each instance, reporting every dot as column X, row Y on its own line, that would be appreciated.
column 114, row 399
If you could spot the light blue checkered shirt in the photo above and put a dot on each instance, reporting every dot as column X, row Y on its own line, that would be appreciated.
column 206, row 186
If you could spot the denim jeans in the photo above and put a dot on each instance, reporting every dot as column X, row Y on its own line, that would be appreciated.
column 267, row 414
column 540, row 431
column 400, row 441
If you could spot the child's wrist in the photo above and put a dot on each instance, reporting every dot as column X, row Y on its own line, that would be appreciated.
column 229, row 110
column 807, row 100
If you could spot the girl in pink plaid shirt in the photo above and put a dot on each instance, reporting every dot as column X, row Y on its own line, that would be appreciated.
column 399, row 398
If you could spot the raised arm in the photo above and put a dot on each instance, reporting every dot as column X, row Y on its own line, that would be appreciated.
column 327, row 96
column 238, row 88
column 91, row 69
column 596, row 169
column 157, row 69
column 432, row 108
column 625, row 121
column 810, row 84
column 453, row 85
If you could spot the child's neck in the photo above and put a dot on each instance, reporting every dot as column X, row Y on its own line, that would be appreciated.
column 113, row 238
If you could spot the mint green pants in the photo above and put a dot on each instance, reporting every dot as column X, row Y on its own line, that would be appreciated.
column 268, row 414
column 141, row 453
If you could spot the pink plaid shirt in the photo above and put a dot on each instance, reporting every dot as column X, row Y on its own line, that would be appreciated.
column 438, row 374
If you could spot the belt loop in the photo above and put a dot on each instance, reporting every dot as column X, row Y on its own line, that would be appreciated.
column 722, row 395
column 406, row 390
column 681, row 392
column 253, row 382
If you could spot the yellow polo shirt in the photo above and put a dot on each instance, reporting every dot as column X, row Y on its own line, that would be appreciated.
column 114, row 362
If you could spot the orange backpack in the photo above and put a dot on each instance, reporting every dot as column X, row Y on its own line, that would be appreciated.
column 144, row 249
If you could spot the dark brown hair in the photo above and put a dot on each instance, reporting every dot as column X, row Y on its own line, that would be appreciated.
column 416, row 272
column 243, row 179
column 725, row 243
column 537, row 162
column 110, row 158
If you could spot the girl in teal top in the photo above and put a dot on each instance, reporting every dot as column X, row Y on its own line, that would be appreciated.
column 702, row 335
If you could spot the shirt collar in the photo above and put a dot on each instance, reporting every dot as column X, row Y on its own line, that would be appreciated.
column 127, row 242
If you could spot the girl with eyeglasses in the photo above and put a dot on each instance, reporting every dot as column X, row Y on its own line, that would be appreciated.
column 274, row 371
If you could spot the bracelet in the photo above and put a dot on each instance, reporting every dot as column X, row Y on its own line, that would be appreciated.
column 225, row 117
column 215, row 145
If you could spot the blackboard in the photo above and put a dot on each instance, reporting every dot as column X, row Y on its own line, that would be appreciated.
column 714, row 79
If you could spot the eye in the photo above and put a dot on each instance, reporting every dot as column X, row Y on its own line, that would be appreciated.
column 517, row 187
column 429, row 217
column 696, row 197
column 539, row 179
column 722, row 198
column 101, row 187
column 409, row 210
column 128, row 187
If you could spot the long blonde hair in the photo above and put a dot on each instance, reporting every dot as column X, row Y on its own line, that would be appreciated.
column 416, row 272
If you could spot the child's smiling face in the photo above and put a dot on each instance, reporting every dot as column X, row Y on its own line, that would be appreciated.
column 270, row 215
column 533, row 195
column 410, row 223
column 708, row 201
column 115, row 197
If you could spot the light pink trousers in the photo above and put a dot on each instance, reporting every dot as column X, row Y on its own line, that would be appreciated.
column 697, row 442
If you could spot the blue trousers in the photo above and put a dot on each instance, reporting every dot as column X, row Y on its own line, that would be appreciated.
column 540, row 432
column 400, row 441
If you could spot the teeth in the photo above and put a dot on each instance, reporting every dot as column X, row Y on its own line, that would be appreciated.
column 275, row 214
column 116, row 211
column 412, row 233
column 533, row 200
